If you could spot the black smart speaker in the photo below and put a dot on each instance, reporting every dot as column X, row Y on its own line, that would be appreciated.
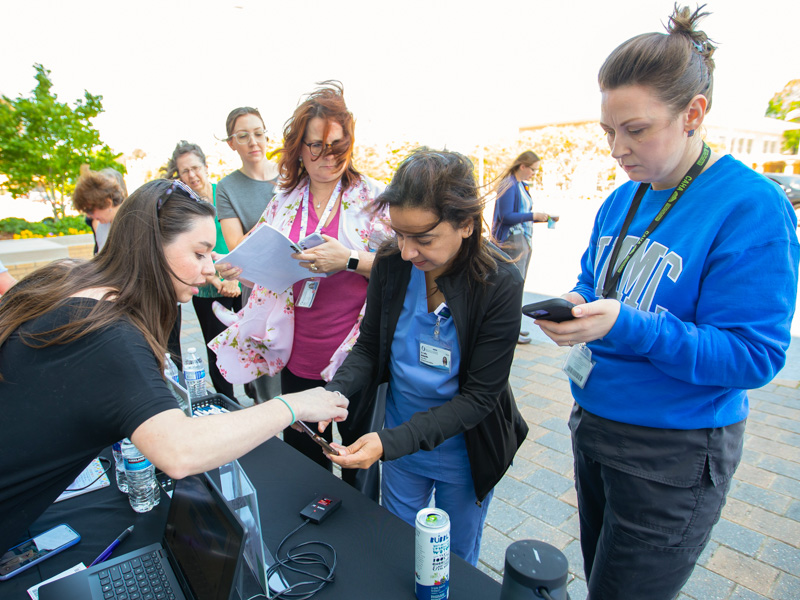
column 534, row 571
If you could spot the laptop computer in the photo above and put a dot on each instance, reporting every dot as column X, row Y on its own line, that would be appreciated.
column 198, row 559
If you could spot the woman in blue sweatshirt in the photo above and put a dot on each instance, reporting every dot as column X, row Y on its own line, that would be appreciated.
column 685, row 300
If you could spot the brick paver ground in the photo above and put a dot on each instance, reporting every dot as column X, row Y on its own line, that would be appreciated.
column 754, row 552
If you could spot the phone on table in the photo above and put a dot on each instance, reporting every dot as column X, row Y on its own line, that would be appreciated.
column 318, row 438
column 36, row 549
column 552, row 309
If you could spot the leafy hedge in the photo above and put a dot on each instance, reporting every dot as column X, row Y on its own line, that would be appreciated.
column 48, row 227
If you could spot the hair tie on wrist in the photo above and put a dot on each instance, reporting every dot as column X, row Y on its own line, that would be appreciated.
column 294, row 419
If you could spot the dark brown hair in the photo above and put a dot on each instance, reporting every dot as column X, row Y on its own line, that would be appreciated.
column 327, row 103
column 97, row 190
column 443, row 183
column 132, row 264
column 230, row 122
column 677, row 65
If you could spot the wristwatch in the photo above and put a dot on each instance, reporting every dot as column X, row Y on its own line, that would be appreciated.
column 352, row 262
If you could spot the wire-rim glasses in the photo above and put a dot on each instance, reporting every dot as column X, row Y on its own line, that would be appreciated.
column 243, row 137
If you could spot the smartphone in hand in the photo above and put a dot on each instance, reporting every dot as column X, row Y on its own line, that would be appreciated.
column 318, row 438
column 552, row 309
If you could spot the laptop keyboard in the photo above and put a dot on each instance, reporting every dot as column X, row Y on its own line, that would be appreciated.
column 141, row 578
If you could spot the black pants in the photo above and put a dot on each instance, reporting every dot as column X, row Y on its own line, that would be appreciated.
column 640, row 537
column 366, row 481
column 211, row 328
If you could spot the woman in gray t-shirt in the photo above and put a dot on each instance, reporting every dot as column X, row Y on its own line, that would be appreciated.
column 243, row 195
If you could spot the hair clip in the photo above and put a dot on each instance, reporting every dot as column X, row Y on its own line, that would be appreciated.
column 700, row 47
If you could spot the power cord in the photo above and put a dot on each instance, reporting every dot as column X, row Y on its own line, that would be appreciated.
column 292, row 562
column 102, row 460
column 543, row 592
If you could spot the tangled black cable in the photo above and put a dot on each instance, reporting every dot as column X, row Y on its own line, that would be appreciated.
column 293, row 558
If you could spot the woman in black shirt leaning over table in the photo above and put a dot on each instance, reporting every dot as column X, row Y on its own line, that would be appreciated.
column 107, row 321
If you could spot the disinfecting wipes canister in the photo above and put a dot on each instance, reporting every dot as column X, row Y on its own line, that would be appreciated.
column 432, row 555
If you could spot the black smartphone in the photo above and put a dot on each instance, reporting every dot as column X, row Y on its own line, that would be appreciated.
column 319, row 439
column 552, row 309
column 36, row 549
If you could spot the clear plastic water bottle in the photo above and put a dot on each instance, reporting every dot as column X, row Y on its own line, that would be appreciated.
column 194, row 371
column 171, row 372
column 141, row 477
column 119, row 463
column 171, row 369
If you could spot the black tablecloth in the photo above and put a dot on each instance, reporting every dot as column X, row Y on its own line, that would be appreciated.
column 375, row 549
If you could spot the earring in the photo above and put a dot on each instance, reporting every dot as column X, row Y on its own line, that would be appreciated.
column 690, row 133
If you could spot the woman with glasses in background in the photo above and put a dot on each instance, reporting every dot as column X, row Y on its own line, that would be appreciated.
column 188, row 163
column 107, row 320
column 242, row 197
column 320, row 191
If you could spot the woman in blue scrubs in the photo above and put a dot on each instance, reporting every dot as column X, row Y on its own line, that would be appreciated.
column 441, row 326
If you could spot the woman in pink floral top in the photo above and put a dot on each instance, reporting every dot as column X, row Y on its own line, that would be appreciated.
column 305, row 332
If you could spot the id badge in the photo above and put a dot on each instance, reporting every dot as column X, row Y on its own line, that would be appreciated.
column 579, row 365
column 308, row 294
column 434, row 353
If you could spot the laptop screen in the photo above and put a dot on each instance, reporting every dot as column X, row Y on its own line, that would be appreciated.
column 204, row 538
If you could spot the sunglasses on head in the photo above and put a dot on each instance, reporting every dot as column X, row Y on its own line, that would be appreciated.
column 177, row 186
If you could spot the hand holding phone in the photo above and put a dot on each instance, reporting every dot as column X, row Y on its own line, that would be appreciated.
column 318, row 438
column 552, row 309
column 35, row 550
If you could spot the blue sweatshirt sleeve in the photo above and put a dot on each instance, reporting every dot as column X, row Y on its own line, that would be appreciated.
column 741, row 331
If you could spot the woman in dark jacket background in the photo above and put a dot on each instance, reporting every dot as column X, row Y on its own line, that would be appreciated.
column 441, row 325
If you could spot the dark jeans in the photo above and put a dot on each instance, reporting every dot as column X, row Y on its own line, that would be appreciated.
column 212, row 327
column 642, row 535
column 365, row 480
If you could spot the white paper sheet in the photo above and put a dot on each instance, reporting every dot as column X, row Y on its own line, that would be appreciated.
column 265, row 257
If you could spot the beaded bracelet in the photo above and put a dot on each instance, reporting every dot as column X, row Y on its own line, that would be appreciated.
column 287, row 406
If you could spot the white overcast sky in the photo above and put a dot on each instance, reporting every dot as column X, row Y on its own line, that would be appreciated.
column 437, row 72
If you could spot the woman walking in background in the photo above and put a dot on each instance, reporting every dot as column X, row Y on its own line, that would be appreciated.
column 685, row 301
column 512, row 224
column 188, row 163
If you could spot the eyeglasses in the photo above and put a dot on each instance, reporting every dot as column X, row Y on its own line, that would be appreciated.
column 316, row 149
column 243, row 137
column 195, row 170
column 177, row 185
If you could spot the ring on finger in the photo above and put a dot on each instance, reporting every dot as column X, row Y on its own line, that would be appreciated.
column 313, row 267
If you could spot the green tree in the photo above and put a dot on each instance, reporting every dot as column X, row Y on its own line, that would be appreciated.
column 43, row 143
column 786, row 105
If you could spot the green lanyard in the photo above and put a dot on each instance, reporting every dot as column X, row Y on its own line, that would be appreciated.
column 687, row 180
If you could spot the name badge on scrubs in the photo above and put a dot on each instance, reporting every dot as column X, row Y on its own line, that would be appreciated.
column 579, row 365
column 308, row 294
column 433, row 351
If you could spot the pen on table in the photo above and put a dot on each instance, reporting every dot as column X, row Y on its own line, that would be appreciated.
column 107, row 552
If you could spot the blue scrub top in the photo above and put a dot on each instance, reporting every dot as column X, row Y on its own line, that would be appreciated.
column 414, row 387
